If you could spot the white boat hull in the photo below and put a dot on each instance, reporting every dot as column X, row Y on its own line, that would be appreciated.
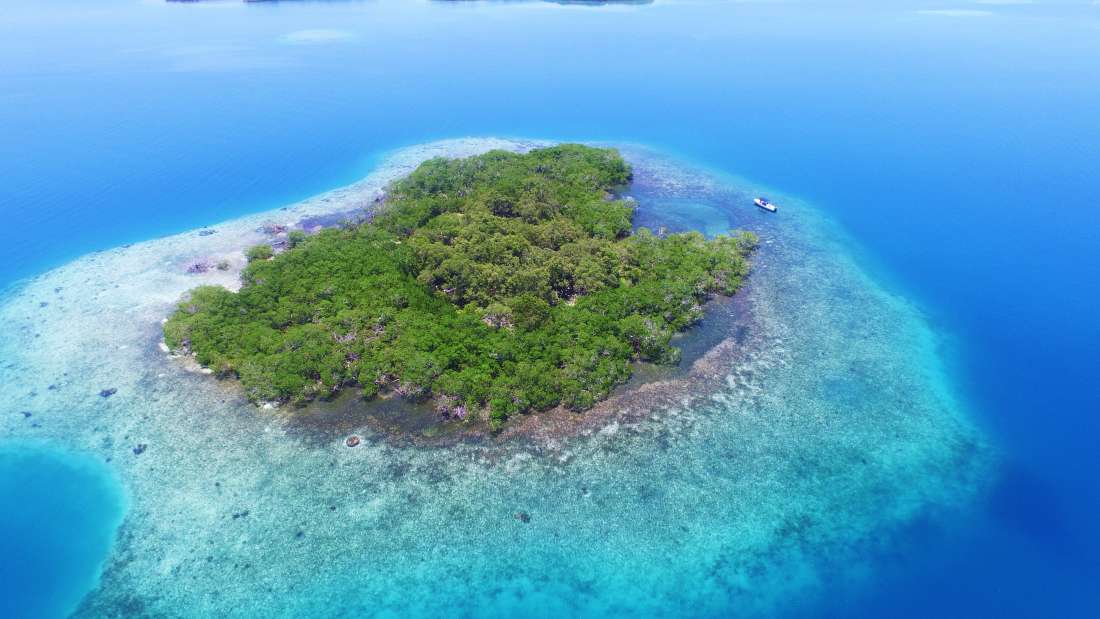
column 767, row 206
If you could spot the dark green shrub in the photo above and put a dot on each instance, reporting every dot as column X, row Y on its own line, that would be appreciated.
column 507, row 283
column 259, row 252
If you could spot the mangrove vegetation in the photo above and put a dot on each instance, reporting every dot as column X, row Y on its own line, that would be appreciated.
column 493, row 285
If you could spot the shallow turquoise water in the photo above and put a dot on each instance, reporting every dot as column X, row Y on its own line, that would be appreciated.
column 682, row 215
column 772, row 477
column 61, row 512
column 954, row 143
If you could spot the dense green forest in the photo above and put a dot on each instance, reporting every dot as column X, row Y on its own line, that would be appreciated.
column 498, row 284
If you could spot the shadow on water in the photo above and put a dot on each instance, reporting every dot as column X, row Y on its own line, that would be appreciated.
column 393, row 417
column 400, row 420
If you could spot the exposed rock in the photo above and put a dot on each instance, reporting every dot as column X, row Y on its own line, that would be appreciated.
column 353, row 441
column 332, row 220
column 273, row 229
column 450, row 409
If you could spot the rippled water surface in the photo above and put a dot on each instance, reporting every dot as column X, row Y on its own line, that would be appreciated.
column 913, row 433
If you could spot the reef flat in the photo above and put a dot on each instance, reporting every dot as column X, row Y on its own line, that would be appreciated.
column 819, row 425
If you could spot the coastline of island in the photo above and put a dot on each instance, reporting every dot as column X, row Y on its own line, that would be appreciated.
column 494, row 287
column 241, row 502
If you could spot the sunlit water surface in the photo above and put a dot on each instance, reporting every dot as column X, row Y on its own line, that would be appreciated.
column 954, row 142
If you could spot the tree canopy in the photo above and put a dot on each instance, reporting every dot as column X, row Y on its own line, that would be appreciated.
column 498, row 284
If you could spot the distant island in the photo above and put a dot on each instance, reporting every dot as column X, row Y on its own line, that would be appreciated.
column 491, row 286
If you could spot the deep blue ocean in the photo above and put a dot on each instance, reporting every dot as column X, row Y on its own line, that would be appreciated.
column 957, row 142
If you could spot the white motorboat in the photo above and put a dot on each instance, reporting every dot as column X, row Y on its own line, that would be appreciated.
column 765, row 204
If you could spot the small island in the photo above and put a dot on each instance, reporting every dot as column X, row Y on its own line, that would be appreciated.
column 491, row 286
